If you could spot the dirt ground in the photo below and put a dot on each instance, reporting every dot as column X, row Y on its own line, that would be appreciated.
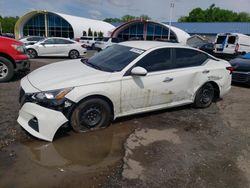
column 181, row 147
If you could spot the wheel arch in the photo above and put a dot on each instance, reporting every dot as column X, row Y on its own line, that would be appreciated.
column 4, row 55
column 105, row 98
column 34, row 50
column 216, row 89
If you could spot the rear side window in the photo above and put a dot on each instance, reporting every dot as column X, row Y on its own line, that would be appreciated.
column 62, row 41
column 231, row 40
column 49, row 41
column 188, row 58
column 157, row 60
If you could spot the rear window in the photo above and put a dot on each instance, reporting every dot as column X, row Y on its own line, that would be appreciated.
column 221, row 39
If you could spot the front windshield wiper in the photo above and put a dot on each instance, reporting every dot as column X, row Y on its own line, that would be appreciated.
column 86, row 62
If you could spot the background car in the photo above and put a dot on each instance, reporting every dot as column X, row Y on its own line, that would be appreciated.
column 30, row 40
column 106, row 42
column 56, row 46
column 89, row 41
column 206, row 47
column 12, row 58
column 127, row 78
column 241, row 65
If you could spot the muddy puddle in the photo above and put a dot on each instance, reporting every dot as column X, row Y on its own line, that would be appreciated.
column 74, row 160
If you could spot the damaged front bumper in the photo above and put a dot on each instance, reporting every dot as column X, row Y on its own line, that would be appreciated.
column 39, row 121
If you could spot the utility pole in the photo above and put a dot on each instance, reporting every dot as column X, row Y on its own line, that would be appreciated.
column 170, row 18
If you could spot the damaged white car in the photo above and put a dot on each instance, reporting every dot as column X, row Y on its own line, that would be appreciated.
column 124, row 79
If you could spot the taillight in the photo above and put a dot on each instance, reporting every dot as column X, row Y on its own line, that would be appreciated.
column 231, row 69
column 84, row 46
column 237, row 47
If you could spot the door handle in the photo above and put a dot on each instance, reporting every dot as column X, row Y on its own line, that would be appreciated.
column 206, row 71
column 167, row 79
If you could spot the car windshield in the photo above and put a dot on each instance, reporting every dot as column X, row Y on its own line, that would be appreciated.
column 114, row 59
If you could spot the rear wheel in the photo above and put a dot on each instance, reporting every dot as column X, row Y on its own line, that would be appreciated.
column 6, row 69
column 204, row 96
column 74, row 54
column 32, row 53
column 91, row 114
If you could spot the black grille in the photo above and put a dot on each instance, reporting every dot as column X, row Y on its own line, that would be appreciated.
column 21, row 96
column 219, row 49
column 33, row 123
column 239, row 77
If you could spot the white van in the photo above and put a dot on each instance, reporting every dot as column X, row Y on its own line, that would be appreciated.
column 231, row 44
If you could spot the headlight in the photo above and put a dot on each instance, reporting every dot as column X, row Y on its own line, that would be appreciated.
column 52, row 95
column 19, row 48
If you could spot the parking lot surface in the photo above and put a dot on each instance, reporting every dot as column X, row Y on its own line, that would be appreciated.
column 181, row 147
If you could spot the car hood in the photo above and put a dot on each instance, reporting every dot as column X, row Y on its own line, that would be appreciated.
column 241, row 64
column 71, row 73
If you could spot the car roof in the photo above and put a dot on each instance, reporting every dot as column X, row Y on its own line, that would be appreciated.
column 146, row 45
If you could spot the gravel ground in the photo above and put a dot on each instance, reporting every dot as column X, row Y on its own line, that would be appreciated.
column 181, row 147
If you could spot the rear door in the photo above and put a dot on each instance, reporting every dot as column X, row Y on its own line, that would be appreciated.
column 189, row 73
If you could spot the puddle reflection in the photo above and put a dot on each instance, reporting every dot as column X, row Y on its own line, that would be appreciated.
column 86, row 149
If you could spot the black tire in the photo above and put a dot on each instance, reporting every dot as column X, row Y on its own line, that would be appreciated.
column 91, row 114
column 32, row 53
column 6, row 70
column 74, row 54
column 204, row 96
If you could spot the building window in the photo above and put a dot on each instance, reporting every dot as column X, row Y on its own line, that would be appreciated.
column 153, row 31
column 57, row 26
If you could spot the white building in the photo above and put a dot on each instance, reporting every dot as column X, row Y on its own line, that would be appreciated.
column 46, row 23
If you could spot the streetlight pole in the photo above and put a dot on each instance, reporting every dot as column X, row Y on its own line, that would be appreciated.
column 170, row 18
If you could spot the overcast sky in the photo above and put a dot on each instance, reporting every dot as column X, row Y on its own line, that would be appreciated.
column 100, row 9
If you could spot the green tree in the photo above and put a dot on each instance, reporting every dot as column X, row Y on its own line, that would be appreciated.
column 90, row 33
column 110, row 20
column 127, row 18
column 8, row 24
column 100, row 34
column 144, row 17
column 95, row 34
column 214, row 14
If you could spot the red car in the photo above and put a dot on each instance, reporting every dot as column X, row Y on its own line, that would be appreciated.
column 12, row 58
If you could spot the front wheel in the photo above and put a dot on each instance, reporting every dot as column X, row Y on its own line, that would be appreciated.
column 204, row 96
column 6, row 69
column 91, row 114
column 74, row 54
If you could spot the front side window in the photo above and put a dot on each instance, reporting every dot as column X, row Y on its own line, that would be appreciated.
column 188, row 58
column 157, row 60
column 115, row 58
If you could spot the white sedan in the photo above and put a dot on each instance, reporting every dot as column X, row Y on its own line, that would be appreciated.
column 124, row 79
column 56, row 46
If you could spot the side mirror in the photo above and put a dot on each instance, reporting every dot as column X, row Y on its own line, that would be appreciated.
column 139, row 71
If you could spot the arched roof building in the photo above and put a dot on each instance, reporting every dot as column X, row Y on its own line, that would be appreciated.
column 46, row 23
column 149, row 30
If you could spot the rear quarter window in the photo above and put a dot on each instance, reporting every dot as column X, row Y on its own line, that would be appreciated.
column 188, row 58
